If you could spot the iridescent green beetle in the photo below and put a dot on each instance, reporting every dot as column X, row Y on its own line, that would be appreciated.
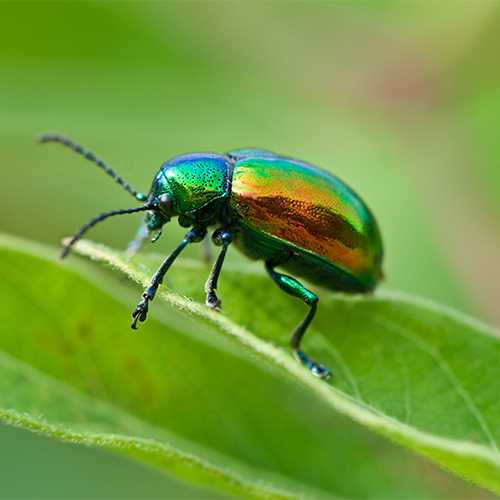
column 288, row 213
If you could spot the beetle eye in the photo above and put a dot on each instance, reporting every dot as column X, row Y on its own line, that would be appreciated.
column 165, row 202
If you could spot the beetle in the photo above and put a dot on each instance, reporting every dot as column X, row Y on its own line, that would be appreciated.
column 288, row 213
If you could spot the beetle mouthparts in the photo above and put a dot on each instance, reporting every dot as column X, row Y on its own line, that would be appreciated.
column 156, row 235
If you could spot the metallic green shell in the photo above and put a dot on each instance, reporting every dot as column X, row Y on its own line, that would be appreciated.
column 290, row 208
column 193, row 181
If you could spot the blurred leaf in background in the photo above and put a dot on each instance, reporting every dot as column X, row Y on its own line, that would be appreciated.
column 398, row 99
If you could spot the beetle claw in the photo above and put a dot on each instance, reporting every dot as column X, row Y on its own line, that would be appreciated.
column 321, row 371
column 316, row 369
column 140, row 312
column 213, row 301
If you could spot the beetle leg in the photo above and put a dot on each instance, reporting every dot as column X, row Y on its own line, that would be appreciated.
column 296, row 289
column 141, row 311
column 222, row 238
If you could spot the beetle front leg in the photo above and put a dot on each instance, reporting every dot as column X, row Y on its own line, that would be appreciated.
column 222, row 238
column 141, row 311
column 295, row 288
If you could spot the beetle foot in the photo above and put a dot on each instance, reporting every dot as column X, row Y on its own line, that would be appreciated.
column 321, row 371
column 141, row 311
column 213, row 301
column 316, row 369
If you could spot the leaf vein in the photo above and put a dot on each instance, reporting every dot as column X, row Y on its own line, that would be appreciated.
column 446, row 369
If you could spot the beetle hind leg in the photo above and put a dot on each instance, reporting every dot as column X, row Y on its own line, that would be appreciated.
column 296, row 289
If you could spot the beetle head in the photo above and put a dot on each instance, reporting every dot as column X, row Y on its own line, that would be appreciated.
column 188, row 186
column 158, row 216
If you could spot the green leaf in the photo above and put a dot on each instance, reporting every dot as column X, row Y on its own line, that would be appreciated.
column 196, row 394
column 425, row 376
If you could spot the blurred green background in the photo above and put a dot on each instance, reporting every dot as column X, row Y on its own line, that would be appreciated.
column 400, row 99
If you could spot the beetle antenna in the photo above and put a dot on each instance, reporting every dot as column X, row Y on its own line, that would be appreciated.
column 78, row 235
column 93, row 158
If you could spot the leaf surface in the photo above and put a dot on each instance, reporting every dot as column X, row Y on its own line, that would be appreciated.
column 200, row 396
